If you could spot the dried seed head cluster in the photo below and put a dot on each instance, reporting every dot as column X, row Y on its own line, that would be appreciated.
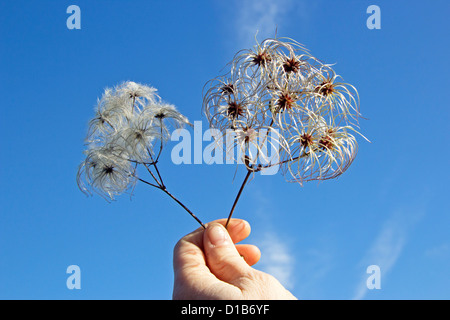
column 278, row 86
column 129, row 128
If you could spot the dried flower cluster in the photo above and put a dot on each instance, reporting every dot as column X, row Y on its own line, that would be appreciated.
column 276, row 95
column 129, row 129
column 279, row 87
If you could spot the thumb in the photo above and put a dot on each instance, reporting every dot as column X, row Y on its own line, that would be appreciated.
column 222, row 256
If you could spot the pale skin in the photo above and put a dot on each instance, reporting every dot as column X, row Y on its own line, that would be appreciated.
column 208, row 264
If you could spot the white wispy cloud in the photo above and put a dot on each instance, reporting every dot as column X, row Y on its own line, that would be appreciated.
column 277, row 259
column 277, row 255
column 265, row 17
column 439, row 251
column 298, row 268
column 387, row 246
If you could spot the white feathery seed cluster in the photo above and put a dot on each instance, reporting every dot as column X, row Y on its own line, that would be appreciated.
column 129, row 128
column 279, row 87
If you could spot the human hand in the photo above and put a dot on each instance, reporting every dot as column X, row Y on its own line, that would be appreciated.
column 208, row 265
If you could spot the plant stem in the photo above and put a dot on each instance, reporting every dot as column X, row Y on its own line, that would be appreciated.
column 149, row 183
column 304, row 154
column 161, row 144
column 156, row 168
column 163, row 188
column 184, row 207
column 153, row 176
column 238, row 195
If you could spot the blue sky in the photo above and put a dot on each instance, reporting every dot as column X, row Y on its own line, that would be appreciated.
column 389, row 209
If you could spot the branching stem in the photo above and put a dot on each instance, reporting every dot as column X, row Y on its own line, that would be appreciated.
column 164, row 189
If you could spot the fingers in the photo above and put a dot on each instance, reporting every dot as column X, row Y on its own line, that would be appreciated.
column 188, row 252
column 250, row 253
column 238, row 229
column 222, row 257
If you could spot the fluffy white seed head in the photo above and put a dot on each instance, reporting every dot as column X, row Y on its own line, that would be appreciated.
column 106, row 171
column 130, row 120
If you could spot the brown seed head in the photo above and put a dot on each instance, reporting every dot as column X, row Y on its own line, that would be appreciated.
column 235, row 109
column 326, row 88
column 327, row 141
column 306, row 140
column 139, row 135
column 108, row 169
column 228, row 88
column 285, row 101
column 260, row 59
column 291, row 65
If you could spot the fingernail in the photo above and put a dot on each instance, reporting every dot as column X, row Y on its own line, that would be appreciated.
column 240, row 226
column 217, row 235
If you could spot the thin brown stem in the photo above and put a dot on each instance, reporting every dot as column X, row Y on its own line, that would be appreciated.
column 153, row 176
column 184, row 207
column 161, row 144
column 238, row 195
column 163, row 188
column 159, row 175
column 156, row 168
column 304, row 154
column 149, row 183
